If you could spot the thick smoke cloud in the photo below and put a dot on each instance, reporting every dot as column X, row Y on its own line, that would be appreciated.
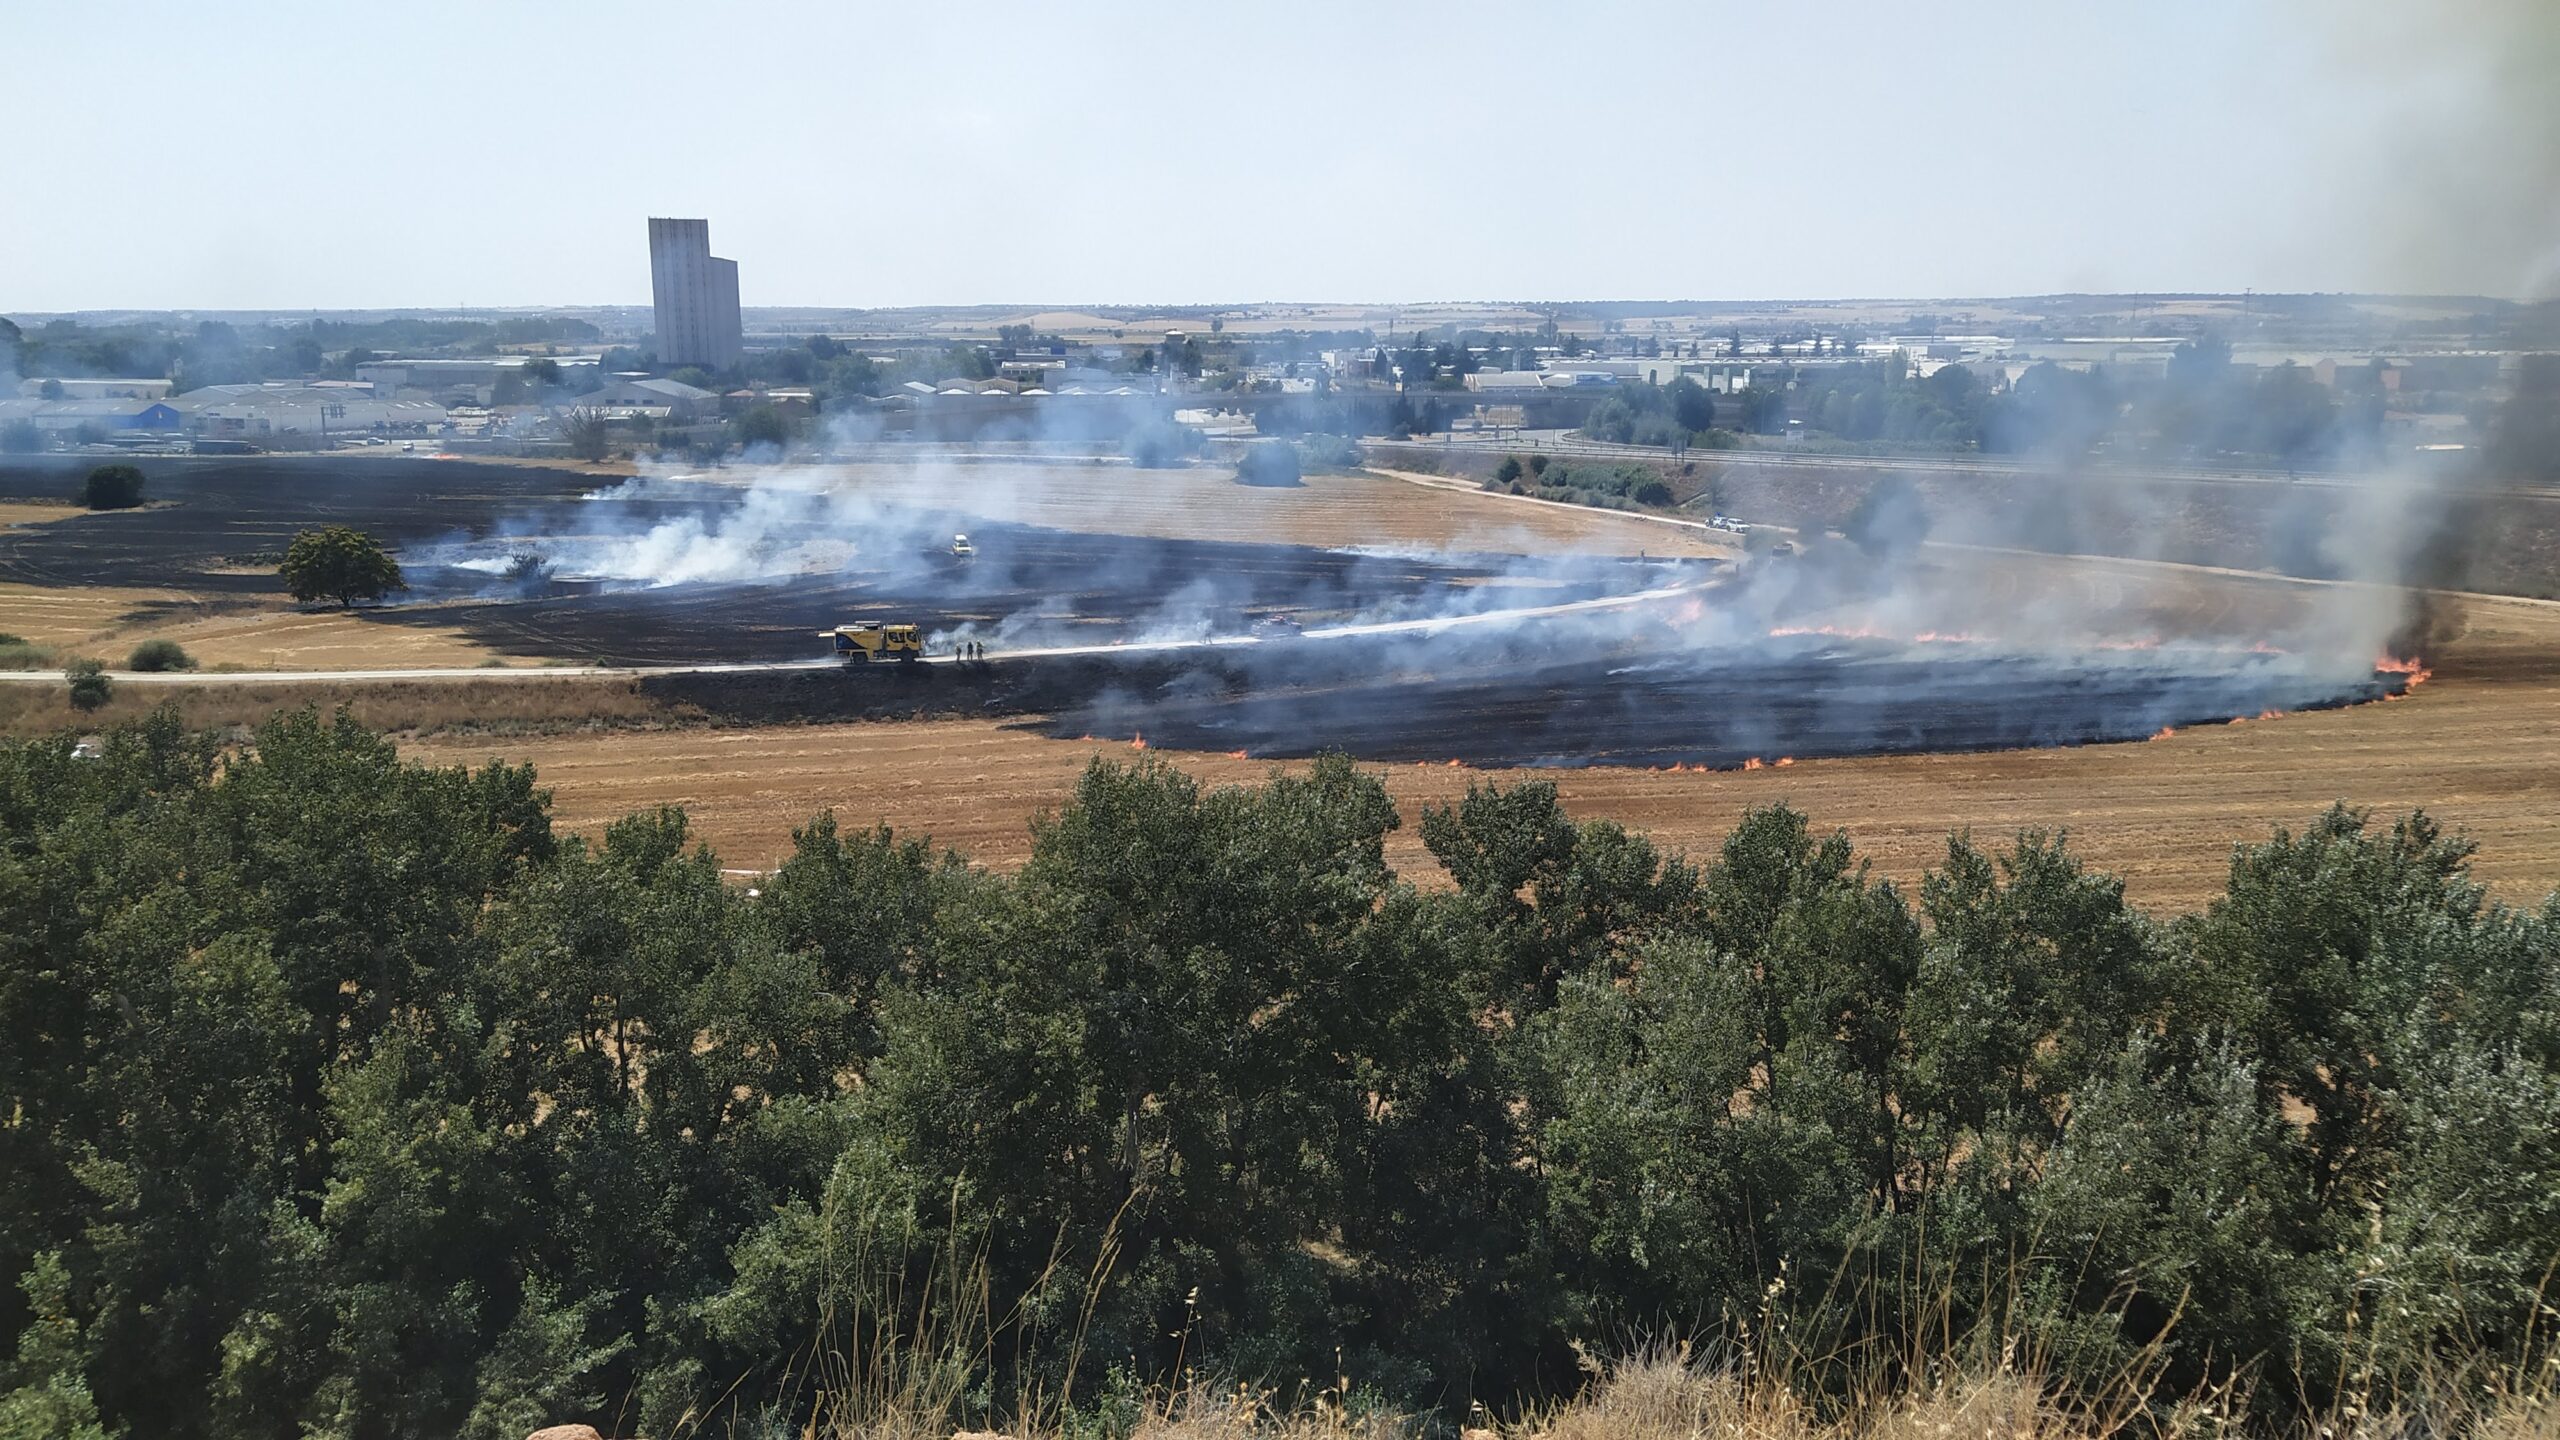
column 2456, row 175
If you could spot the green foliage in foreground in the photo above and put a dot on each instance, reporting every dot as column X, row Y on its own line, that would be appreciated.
column 340, row 1096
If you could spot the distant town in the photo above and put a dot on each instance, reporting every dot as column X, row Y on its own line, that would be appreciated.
column 2276, row 380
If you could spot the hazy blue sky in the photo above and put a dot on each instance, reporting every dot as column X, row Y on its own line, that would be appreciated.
column 275, row 155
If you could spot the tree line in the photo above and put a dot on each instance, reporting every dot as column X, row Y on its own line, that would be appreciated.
column 345, row 1096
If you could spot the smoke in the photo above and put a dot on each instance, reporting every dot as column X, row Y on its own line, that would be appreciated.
column 1928, row 625
column 2458, row 177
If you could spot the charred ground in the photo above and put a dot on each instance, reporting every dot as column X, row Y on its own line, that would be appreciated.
column 500, row 555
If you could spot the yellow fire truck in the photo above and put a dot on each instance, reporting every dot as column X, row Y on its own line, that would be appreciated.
column 873, row 644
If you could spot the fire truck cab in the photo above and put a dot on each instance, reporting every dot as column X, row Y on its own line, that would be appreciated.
column 873, row 644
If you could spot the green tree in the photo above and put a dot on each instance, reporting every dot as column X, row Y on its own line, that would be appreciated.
column 336, row 562
column 49, row 1397
column 1692, row 406
column 590, row 439
column 1269, row 462
column 1157, row 444
column 21, row 437
column 760, row 425
column 112, row 487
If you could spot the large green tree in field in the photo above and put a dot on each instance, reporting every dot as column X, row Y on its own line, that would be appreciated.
column 112, row 487
column 337, row 562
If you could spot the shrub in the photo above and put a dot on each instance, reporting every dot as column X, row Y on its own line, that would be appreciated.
column 1889, row 519
column 17, row 653
column 21, row 437
column 1658, row 430
column 112, row 487
column 1651, row 492
column 90, row 687
column 1161, row 443
column 157, row 655
column 1269, row 463
column 1329, row 452
column 1506, row 474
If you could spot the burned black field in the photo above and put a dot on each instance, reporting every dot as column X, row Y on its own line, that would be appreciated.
column 529, row 563
column 215, row 527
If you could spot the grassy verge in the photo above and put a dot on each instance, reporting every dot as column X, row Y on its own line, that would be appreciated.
column 417, row 707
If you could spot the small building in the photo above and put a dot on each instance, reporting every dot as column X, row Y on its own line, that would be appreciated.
column 683, row 403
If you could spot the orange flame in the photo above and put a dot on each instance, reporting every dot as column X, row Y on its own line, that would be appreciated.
column 1238, row 755
column 1137, row 742
column 1457, row 764
column 1754, row 763
column 1785, row 760
column 2165, row 732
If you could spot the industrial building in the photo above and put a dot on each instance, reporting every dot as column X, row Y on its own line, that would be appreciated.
column 695, row 294
column 468, row 381
column 64, row 417
column 249, row 412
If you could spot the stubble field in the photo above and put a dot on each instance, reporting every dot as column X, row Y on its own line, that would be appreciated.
column 2478, row 746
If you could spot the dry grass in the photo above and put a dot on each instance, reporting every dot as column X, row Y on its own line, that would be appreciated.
column 107, row 622
column 73, row 618
column 1665, row 1397
column 1205, row 503
column 2478, row 751
column 408, row 707
column 25, row 512
column 277, row 637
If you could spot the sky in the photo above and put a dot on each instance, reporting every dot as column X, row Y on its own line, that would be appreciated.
column 281, row 155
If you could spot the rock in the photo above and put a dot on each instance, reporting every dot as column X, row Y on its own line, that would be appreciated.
column 565, row 1432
